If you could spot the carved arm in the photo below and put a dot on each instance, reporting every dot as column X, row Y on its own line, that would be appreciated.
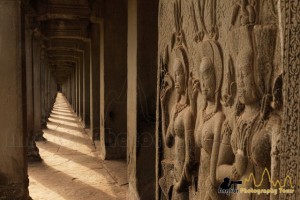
column 186, row 176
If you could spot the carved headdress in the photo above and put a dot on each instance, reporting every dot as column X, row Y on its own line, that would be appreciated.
column 207, row 29
column 211, row 52
column 256, row 52
column 179, row 49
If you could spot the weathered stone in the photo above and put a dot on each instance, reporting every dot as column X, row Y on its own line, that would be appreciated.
column 13, row 119
column 234, row 60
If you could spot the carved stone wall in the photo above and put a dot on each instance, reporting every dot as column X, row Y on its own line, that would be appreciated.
column 228, row 98
column 290, row 145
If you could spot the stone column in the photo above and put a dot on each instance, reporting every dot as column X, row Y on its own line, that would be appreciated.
column 86, row 84
column 49, row 91
column 141, row 97
column 95, row 82
column 77, row 87
column 113, row 77
column 46, row 91
column 53, row 89
column 81, row 68
column 73, row 89
column 38, row 133
column 32, row 151
column 43, row 86
column 67, row 86
column 13, row 137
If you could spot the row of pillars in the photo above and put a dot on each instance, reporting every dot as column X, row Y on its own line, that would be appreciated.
column 113, row 89
column 28, row 90
column 96, row 88
column 41, row 88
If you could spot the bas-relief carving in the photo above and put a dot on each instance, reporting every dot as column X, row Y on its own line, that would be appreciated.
column 234, row 144
column 209, row 116
column 209, row 119
column 251, row 134
column 179, row 130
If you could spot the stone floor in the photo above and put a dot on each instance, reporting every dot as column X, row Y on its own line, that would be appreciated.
column 71, row 169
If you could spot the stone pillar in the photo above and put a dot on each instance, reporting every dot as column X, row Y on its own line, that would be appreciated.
column 49, row 98
column 13, row 137
column 86, row 84
column 43, row 86
column 32, row 151
column 46, row 106
column 141, row 97
column 38, row 133
column 67, row 86
column 95, row 82
column 53, row 89
column 73, row 89
column 113, row 77
column 77, row 88
column 81, row 68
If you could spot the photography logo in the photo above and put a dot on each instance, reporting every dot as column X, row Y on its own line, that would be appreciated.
column 229, row 186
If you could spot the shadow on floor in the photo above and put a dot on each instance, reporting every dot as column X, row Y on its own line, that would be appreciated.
column 63, row 114
column 68, row 136
column 62, row 185
column 67, row 119
column 69, row 127
column 70, row 169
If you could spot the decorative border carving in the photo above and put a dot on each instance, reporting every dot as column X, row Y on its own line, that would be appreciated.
column 290, row 147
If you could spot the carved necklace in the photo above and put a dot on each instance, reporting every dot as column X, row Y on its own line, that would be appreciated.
column 207, row 117
column 179, row 107
column 245, row 128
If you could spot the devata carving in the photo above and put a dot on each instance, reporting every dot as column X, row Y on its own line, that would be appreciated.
column 251, row 136
column 209, row 119
column 180, row 130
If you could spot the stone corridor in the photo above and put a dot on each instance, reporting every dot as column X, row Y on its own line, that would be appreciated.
column 71, row 168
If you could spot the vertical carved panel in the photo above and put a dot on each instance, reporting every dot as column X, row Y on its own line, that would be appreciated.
column 290, row 146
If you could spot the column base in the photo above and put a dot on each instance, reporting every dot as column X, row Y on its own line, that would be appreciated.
column 15, row 191
column 39, row 137
column 33, row 155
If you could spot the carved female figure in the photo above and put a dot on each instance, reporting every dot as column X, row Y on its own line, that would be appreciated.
column 250, row 136
column 209, row 120
column 181, row 126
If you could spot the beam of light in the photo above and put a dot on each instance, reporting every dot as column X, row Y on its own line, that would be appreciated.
column 63, row 117
column 86, row 175
column 64, row 142
column 63, row 122
column 35, row 188
column 64, row 114
column 69, row 153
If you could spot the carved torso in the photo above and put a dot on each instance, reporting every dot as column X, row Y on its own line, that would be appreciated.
column 205, row 134
column 179, row 143
column 259, row 149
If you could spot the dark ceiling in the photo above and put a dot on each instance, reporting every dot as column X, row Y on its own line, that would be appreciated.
column 64, row 27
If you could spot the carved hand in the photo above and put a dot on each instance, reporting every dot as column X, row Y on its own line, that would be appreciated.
column 196, row 89
column 179, row 187
column 167, row 85
column 241, row 162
